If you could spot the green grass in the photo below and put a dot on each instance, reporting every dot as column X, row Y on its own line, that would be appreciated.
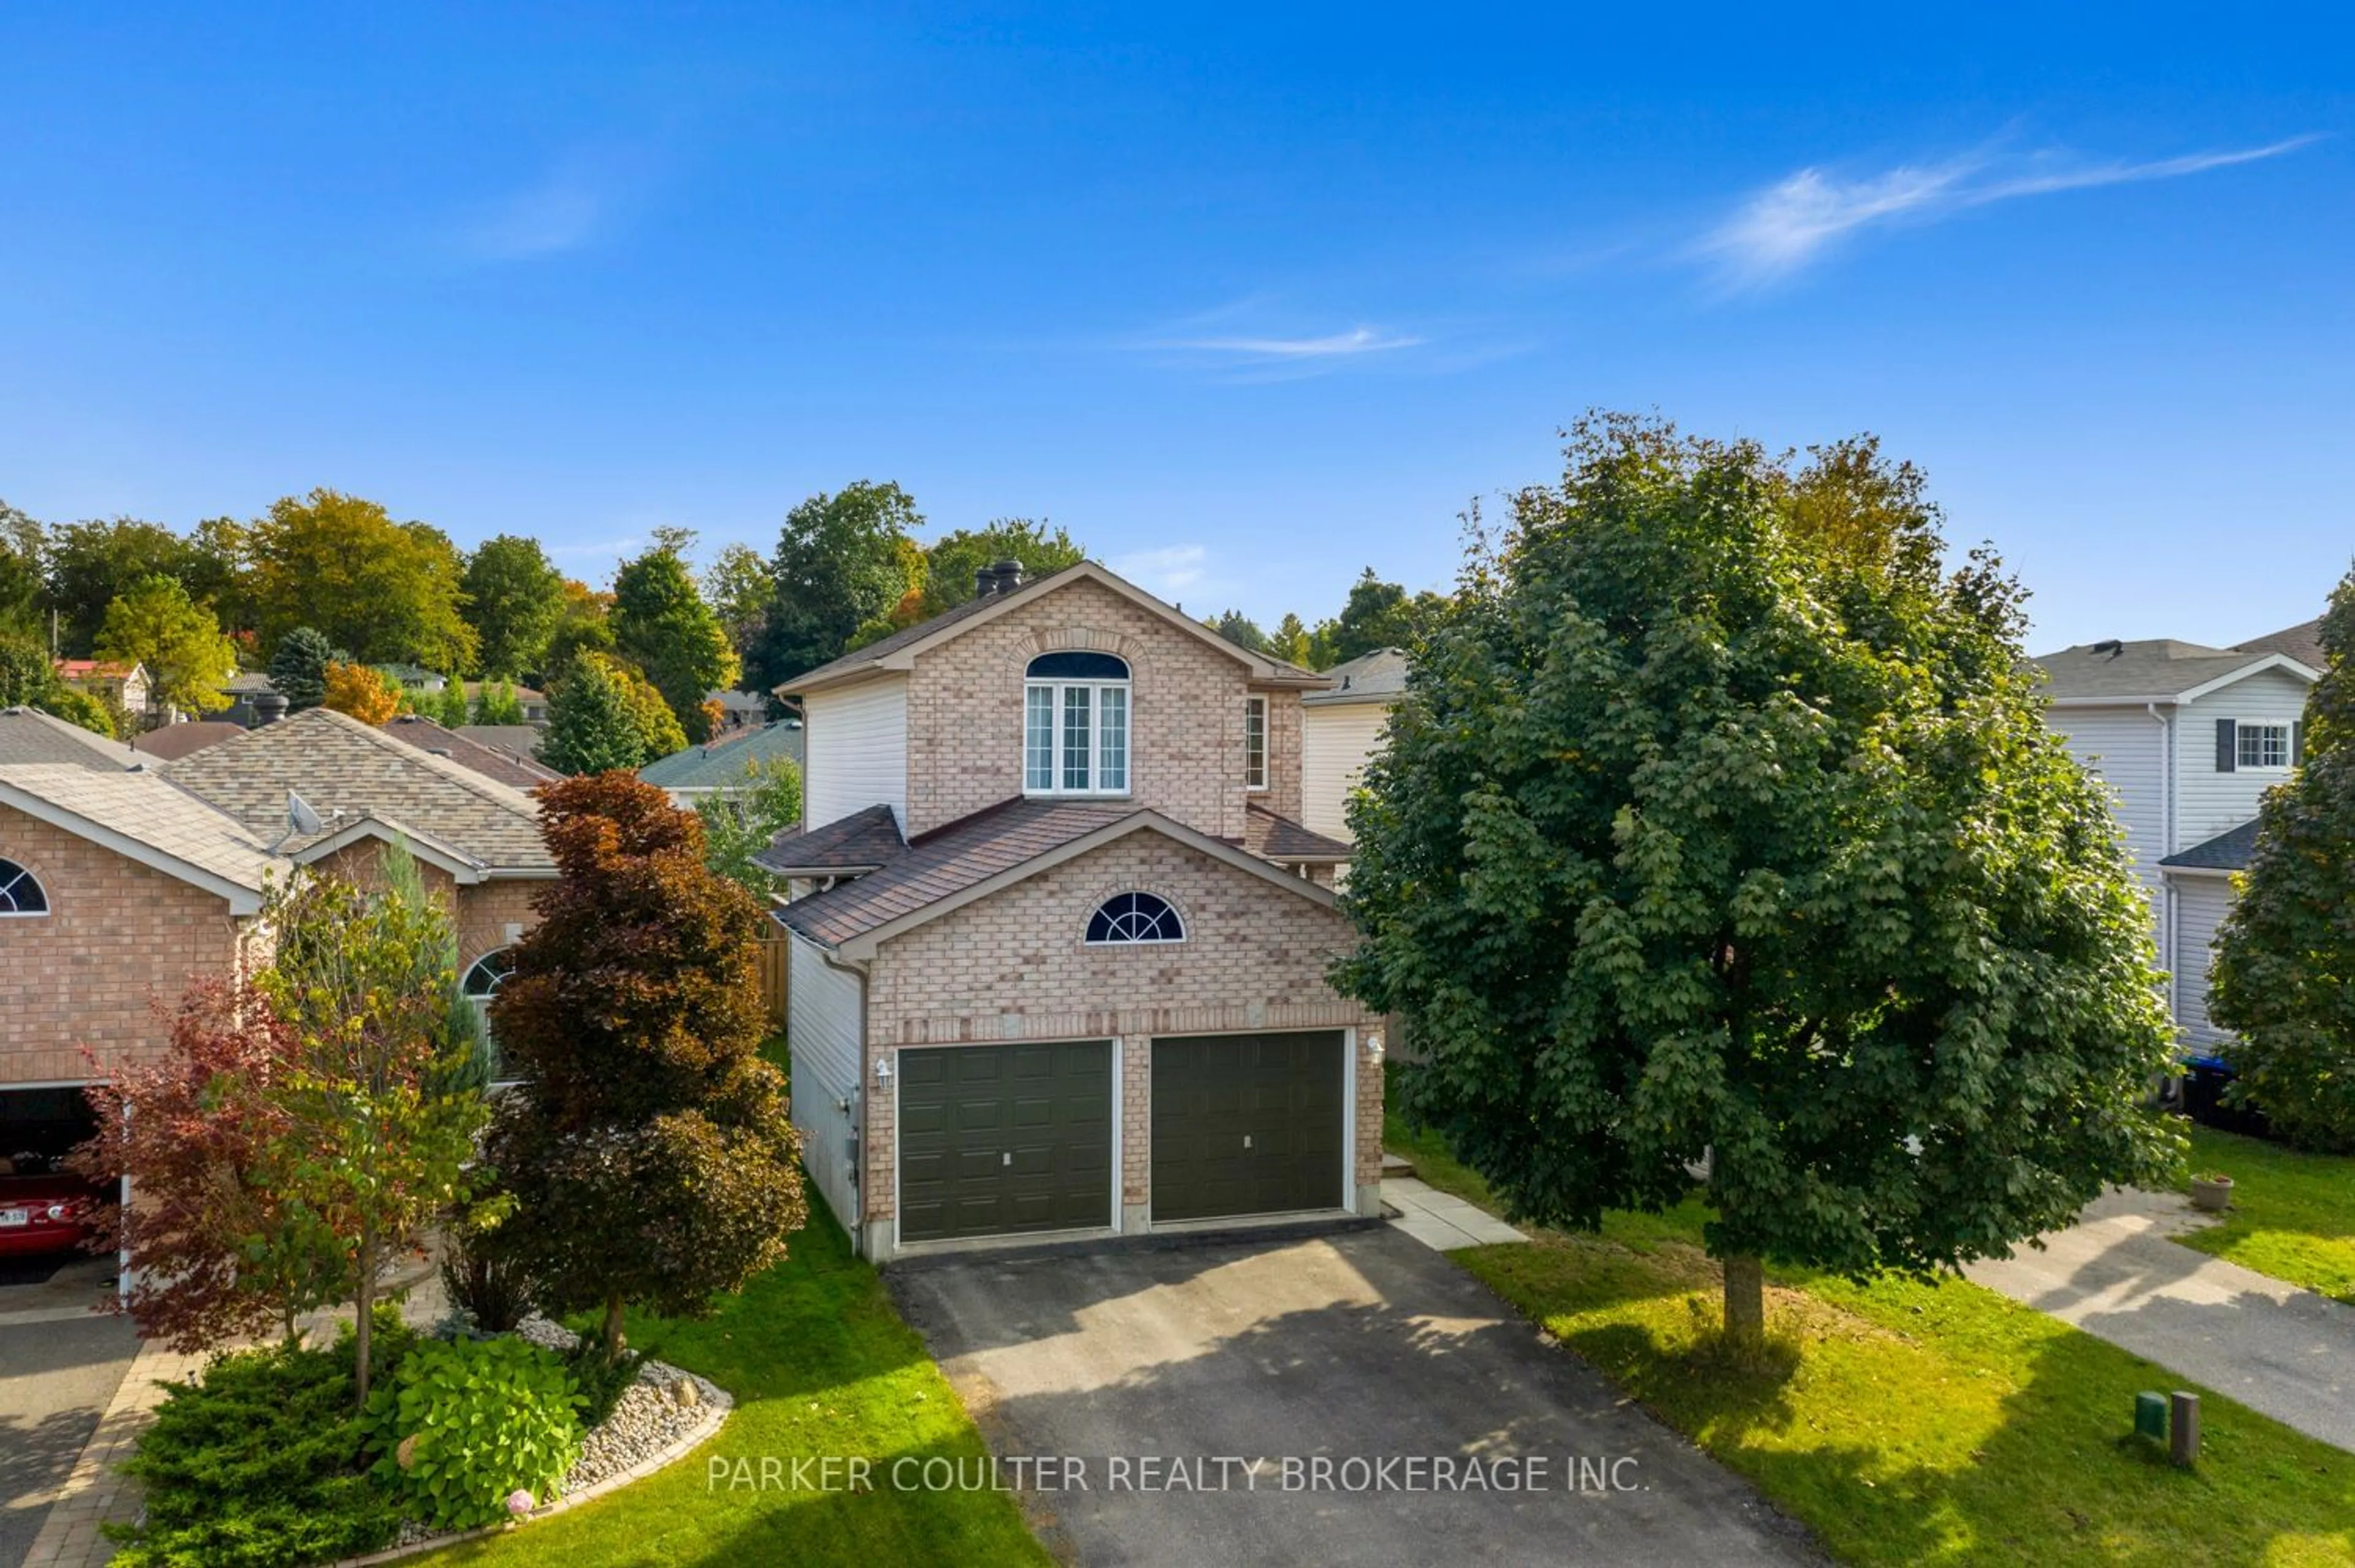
column 820, row 1364
column 1908, row 1423
column 2293, row 1214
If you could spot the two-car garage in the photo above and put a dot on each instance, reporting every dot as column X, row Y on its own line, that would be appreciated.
column 1021, row 1138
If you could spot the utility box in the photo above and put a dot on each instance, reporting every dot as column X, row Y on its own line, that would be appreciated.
column 2151, row 1416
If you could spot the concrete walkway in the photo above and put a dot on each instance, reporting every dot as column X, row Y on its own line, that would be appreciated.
column 2282, row 1351
column 1441, row 1221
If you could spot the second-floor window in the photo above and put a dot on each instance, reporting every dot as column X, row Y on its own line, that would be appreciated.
column 2264, row 745
column 1075, row 725
column 1255, row 742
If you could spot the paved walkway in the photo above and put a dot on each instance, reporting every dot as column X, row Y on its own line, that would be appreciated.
column 1440, row 1221
column 97, row 1490
column 2285, row 1352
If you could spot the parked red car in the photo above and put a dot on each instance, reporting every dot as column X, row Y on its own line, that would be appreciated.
column 42, row 1213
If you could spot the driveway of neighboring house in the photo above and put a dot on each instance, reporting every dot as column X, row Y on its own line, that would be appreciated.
column 59, row 1366
column 1360, row 1345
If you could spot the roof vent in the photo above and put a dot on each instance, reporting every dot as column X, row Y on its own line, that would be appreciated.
column 269, row 708
column 1007, row 575
column 2111, row 647
column 984, row 581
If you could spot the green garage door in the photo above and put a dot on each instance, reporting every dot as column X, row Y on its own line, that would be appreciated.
column 1246, row 1124
column 998, row 1139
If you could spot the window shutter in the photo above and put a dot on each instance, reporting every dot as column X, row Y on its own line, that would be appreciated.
column 2228, row 745
column 2297, row 744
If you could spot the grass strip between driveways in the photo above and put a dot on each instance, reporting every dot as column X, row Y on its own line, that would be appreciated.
column 2293, row 1214
column 1906, row 1423
column 820, row 1365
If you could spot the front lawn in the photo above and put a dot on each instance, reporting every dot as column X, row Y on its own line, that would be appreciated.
column 1911, row 1423
column 2293, row 1214
column 820, row 1365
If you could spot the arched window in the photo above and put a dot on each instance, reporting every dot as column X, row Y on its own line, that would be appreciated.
column 487, row 974
column 20, row 892
column 1136, row 917
column 1075, row 725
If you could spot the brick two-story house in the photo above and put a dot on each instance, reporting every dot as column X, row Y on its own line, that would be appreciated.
column 1059, row 941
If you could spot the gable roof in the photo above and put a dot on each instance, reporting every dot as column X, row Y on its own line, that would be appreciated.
column 523, row 739
column 345, row 770
column 2161, row 669
column 96, row 669
column 149, row 819
column 2302, row 642
column 975, row 856
column 899, row 651
column 30, row 735
column 2227, row 851
column 495, row 763
column 1273, row 838
column 721, row 763
column 176, row 740
column 1377, row 676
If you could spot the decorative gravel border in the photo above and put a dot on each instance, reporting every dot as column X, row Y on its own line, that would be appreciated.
column 715, row 1401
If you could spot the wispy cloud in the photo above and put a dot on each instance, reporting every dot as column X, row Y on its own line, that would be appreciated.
column 1167, row 572
column 1338, row 345
column 571, row 204
column 1793, row 223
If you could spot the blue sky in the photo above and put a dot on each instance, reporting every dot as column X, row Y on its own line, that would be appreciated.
column 1245, row 301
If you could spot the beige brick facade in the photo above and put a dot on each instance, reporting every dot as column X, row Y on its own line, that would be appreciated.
column 1186, row 740
column 105, row 968
column 483, row 912
column 1015, row 965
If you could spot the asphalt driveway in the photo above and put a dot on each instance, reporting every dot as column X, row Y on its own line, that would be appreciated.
column 59, row 1366
column 1182, row 1399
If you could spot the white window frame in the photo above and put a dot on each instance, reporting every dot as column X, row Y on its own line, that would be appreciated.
column 1255, row 706
column 1168, row 907
column 1056, row 687
column 2251, row 742
column 25, row 873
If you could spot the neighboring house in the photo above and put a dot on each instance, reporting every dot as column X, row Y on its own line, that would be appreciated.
column 171, row 741
column 116, row 887
column 740, row 709
column 2190, row 737
column 724, row 763
column 476, row 840
column 519, row 770
column 415, row 679
column 1057, row 940
column 30, row 735
column 522, row 740
column 243, row 690
column 126, row 686
column 533, row 703
column 1340, row 730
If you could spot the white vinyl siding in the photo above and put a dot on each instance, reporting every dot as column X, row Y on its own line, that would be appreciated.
column 2212, row 802
column 2200, row 905
column 1335, row 743
column 855, row 742
column 824, row 1023
column 2127, row 747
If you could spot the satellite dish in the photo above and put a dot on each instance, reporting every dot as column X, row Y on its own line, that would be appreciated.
column 300, row 817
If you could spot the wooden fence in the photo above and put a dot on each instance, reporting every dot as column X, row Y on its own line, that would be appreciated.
column 771, row 954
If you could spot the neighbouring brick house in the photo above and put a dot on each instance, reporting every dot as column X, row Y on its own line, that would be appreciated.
column 1059, row 941
column 117, row 886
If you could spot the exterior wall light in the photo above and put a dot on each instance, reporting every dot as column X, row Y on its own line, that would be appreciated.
column 1373, row 1045
column 883, row 1070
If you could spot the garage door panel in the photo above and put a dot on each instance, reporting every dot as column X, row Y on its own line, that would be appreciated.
column 1247, row 1124
column 1002, row 1139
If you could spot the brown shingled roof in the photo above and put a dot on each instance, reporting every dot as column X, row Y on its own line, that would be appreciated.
column 491, row 762
column 863, row 841
column 1273, row 838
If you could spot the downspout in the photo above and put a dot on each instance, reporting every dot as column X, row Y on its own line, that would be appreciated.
column 856, row 1108
column 2168, row 761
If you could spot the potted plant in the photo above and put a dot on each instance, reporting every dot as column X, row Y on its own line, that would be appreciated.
column 2211, row 1191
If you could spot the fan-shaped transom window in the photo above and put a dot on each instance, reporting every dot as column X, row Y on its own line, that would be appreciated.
column 487, row 974
column 1075, row 724
column 20, row 891
column 1136, row 917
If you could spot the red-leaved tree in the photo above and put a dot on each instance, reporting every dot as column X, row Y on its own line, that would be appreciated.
column 221, row 1248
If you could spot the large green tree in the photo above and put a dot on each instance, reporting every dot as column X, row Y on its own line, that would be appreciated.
column 93, row 564
column 298, row 667
column 515, row 601
column 1710, row 838
column 1379, row 614
column 739, row 588
column 388, row 592
column 744, row 818
column 24, row 592
column 591, row 726
column 648, row 1147
column 187, row 656
column 662, row 625
column 2284, row 978
column 839, row 565
column 950, row 561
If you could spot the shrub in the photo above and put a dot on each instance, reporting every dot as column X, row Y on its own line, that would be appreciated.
column 259, row 1463
column 493, row 1291
column 487, row 1417
column 602, row 1378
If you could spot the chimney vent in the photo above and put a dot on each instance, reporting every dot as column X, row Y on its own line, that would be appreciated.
column 1008, row 575
column 984, row 581
column 269, row 708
